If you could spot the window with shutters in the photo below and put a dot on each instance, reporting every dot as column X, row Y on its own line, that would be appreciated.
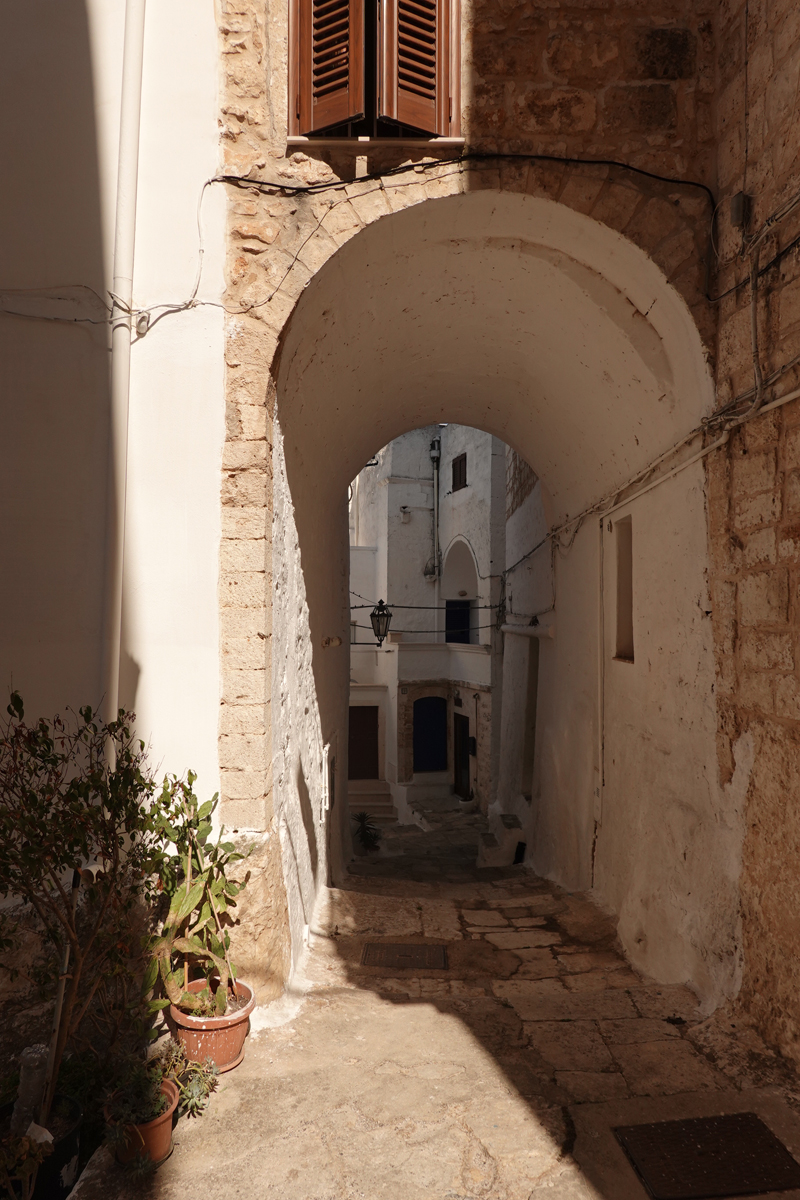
column 459, row 472
column 374, row 68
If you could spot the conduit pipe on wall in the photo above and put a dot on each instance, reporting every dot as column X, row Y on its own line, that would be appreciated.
column 436, row 454
column 122, row 299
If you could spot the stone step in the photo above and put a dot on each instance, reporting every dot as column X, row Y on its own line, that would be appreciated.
column 370, row 787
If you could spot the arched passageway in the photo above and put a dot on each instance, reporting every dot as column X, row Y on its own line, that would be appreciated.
column 534, row 323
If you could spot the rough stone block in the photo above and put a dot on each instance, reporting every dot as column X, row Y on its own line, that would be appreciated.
column 754, row 473
column 245, row 622
column 242, row 589
column 243, row 785
column 792, row 494
column 545, row 109
column 243, row 687
column 760, row 548
column 756, row 691
column 764, row 598
column 665, row 53
column 242, row 718
column 243, row 751
column 242, row 554
column 767, row 651
column 244, row 654
column 244, row 522
column 755, row 511
column 787, row 697
column 244, row 814
column 643, row 107
column 245, row 489
column 520, row 939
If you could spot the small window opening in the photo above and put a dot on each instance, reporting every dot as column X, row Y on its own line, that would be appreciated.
column 459, row 472
column 624, row 537
column 457, row 614
column 519, row 853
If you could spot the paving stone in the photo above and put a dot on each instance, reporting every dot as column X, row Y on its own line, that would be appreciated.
column 638, row 1030
column 527, row 922
column 571, row 1046
column 598, row 981
column 538, row 964
column 592, row 960
column 592, row 1087
column 666, row 1001
column 520, row 939
column 665, row 1067
column 479, row 916
column 533, row 1006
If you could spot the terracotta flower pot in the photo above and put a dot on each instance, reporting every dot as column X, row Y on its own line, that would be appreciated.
column 219, row 1038
column 153, row 1139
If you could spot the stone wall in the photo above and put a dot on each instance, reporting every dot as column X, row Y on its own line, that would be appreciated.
column 520, row 481
column 703, row 91
column 754, row 498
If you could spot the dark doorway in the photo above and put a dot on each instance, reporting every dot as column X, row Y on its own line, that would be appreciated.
column 363, row 742
column 430, row 734
column 461, row 756
column 456, row 621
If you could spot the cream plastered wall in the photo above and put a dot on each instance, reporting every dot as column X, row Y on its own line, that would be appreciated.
column 578, row 442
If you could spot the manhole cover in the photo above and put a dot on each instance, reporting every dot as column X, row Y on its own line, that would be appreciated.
column 732, row 1155
column 386, row 954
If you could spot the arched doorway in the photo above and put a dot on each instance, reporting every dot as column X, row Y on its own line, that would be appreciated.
column 523, row 318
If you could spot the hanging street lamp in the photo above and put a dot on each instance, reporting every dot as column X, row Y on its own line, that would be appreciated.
column 381, row 618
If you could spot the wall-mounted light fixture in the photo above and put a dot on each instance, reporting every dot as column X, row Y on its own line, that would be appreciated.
column 381, row 618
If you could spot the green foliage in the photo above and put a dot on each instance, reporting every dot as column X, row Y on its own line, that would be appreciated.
column 202, row 902
column 136, row 1097
column 367, row 832
column 20, row 1158
column 75, row 794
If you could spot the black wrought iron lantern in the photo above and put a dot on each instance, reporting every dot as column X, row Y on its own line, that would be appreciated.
column 381, row 618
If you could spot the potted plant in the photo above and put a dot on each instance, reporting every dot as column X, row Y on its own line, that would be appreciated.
column 209, row 1007
column 367, row 835
column 79, row 861
column 140, row 1108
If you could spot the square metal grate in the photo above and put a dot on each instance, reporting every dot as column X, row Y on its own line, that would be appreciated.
column 709, row 1157
column 391, row 954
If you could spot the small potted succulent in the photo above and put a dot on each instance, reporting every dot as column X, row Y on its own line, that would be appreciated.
column 209, row 1008
column 140, row 1108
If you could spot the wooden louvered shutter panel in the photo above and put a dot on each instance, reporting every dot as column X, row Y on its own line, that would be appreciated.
column 419, row 64
column 326, row 64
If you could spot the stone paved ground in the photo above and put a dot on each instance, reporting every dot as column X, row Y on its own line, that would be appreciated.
column 470, row 1083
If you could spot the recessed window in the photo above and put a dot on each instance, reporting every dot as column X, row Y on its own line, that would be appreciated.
column 623, row 532
column 459, row 472
column 374, row 68
column 457, row 621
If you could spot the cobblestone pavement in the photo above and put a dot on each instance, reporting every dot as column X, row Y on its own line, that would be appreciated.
column 497, row 1079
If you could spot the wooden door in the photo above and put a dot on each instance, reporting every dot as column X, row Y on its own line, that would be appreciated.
column 461, row 756
column 430, row 734
column 363, row 742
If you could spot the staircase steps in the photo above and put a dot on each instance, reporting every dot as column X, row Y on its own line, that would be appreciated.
column 373, row 796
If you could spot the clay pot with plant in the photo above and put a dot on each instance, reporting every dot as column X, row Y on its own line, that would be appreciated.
column 209, row 1008
column 80, row 860
column 140, row 1107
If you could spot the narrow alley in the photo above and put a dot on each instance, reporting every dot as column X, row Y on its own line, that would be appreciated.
column 498, row 1078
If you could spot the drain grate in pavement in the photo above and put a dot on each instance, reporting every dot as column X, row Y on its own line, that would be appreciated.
column 388, row 954
column 708, row 1157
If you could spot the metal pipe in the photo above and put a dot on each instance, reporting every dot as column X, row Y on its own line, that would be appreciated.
column 122, row 299
column 436, row 454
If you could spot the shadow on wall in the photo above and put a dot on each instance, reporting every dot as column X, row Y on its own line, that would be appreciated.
column 55, row 410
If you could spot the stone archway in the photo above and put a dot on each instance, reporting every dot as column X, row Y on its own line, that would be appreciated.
column 524, row 318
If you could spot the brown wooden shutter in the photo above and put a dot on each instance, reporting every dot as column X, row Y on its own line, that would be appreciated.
column 419, row 68
column 326, row 64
